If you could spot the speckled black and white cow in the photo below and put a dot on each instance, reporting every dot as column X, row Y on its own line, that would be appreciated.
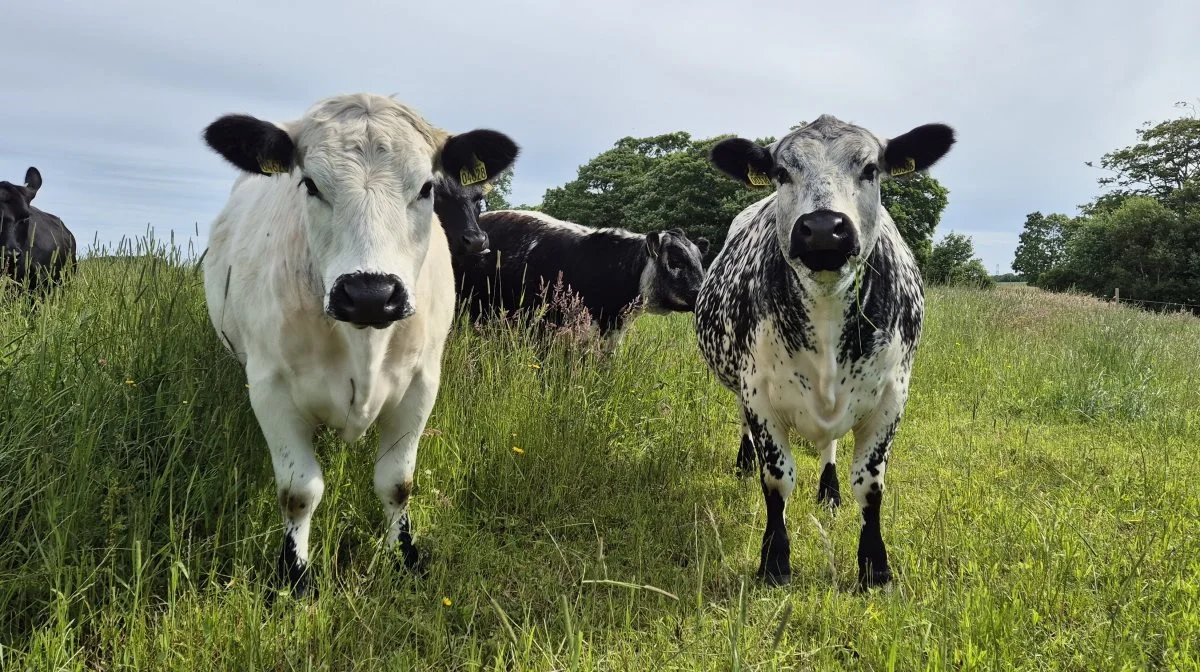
column 812, row 312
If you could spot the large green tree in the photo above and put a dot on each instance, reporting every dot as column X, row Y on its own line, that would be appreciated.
column 953, row 262
column 1043, row 244
column 666, row 181
column 1144, row 248
column 1142, row 235
column 915, row 202
column 1164, row 165
column 654, row 183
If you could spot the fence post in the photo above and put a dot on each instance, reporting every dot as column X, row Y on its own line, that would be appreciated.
column 1117, row 295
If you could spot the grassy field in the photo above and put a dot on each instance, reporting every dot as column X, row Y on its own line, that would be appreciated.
column 1042, row 507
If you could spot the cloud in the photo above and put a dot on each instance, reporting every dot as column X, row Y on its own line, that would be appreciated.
column 109, row 99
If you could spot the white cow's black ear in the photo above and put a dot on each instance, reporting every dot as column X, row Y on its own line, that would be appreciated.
column 253, row 145
column 917, row 149
column 33, row 182
column 744, row 161
column 477, row 156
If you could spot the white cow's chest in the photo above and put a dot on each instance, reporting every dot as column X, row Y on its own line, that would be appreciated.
column 813, row 392
column 339, row 376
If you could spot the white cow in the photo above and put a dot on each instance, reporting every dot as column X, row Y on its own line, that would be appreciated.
column 329, row 277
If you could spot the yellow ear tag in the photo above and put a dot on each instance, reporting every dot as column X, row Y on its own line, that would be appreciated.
column 473, row 175
column 487, row 188
column 909, row 166
column 271, row 167
column 757, row 179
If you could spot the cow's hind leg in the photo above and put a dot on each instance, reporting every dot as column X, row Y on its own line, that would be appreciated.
column 400, row 431
column 872, row 445
column 299, row 483
column 778, row 478
column 828, row 490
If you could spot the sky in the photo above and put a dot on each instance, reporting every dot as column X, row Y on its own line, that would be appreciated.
column 109, row 99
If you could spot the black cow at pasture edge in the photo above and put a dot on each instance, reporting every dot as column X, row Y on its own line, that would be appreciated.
column 613, row 272
column 457, row 206
column 37, row 248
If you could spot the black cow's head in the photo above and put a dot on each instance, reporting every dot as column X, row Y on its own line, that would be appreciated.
column 458, row 207
column 674, row 271
column 14, row 204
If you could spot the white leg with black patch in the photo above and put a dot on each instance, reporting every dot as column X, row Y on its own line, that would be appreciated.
column 399, row 435
column 872, row 447
column 299, row 483
column 777, row 476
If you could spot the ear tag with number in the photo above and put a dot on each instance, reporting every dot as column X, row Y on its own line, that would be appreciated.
column 271, row 166
column 908, row 167
column 473, row 175
column 757, row 179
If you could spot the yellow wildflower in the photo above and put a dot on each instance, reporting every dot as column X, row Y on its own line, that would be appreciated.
column 446, row 601
column 519, row 451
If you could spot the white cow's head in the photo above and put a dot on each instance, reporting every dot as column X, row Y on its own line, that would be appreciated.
column 828, row 173
column 364, row 167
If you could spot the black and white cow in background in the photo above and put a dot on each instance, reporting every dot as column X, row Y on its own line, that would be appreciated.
column 36, row 248
column 812, row 313
column 614, row 272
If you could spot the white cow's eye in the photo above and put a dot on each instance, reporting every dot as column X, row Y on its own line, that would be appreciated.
column 782, row 176
column 427, row 189
column 311, row 186
column 869, row 172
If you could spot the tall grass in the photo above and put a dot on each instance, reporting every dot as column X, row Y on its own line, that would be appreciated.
column 582, row 511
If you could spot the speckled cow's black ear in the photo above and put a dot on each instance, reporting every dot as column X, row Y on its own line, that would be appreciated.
column 917, row 149
column 744, row 161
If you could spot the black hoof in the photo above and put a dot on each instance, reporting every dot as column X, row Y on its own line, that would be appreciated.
column 873, row 578
column 302, row 588
column 828, row 491
column 415, row 561
column 774, row 580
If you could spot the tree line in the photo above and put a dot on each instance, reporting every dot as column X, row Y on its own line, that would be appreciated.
column 666, row 181
column 1140, row 236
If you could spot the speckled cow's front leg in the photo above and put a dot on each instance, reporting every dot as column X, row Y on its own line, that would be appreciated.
column 778, row 477
column 828, row 490
column 872, row 446
column 399, row 434
column 299, row 483
column 745, row 457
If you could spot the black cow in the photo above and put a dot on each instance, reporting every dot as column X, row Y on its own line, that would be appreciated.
column 613, row 272
column 458, row 207
column 37, row 248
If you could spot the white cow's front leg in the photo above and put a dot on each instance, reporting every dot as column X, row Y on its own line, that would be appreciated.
column 400, row 431
column 298, row 480
column 872, row 446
